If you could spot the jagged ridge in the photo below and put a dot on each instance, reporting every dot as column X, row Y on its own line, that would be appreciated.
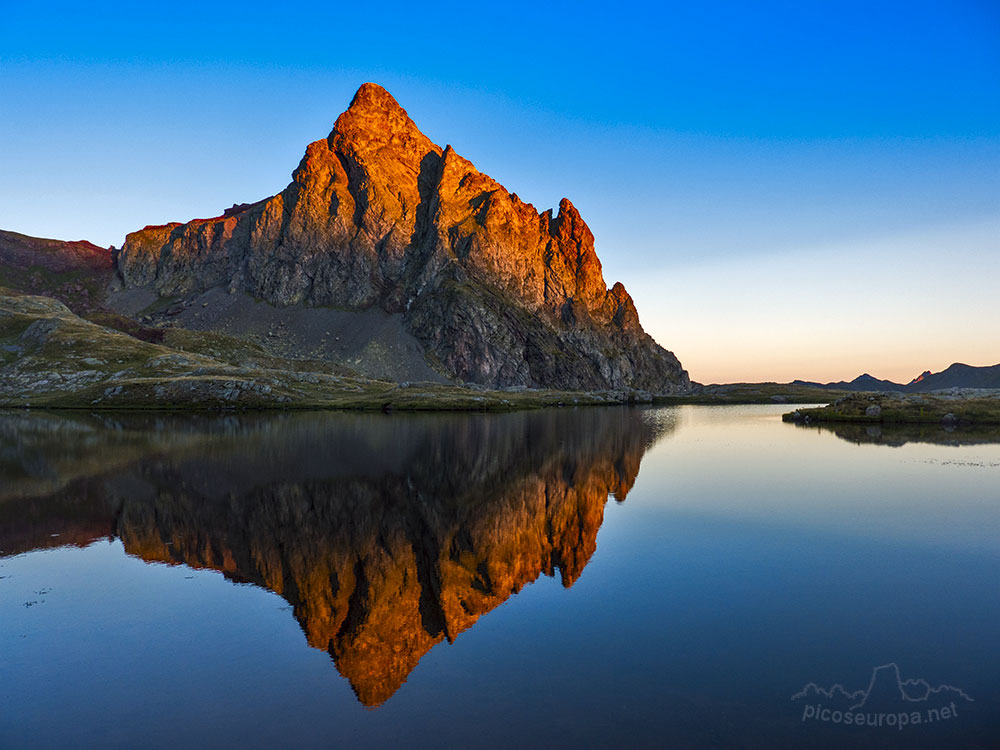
column 378, row 215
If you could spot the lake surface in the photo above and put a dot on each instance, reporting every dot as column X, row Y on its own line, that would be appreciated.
column 661, row 577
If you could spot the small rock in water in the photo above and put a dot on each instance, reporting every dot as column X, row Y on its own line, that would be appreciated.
column 873, row 411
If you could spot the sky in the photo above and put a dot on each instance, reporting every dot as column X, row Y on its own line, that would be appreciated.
column 788, row 190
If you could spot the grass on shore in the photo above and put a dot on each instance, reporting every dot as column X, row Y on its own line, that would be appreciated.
column 754, row 393
column 884, row 408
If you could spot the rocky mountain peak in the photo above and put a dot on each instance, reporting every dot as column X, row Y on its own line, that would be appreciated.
column 371, row 96
column 376, row 124
column 378, row 215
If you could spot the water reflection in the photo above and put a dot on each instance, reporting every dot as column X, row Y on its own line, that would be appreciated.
column 387, row 535
column 895, row 435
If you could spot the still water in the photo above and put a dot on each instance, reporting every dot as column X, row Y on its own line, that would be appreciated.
column 673, row 577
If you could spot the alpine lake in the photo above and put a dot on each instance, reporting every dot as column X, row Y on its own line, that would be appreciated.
column 683, row 576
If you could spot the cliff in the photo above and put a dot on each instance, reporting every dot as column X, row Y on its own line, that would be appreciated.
column 378, row 216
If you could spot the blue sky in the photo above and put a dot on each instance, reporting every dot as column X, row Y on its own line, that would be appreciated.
column 787, row 189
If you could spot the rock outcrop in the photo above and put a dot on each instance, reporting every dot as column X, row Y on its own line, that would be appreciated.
column 379, row 216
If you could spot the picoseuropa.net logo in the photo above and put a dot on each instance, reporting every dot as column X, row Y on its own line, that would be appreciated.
column 889, row 701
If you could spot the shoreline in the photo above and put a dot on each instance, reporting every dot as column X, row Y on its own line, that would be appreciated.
column 957, row 408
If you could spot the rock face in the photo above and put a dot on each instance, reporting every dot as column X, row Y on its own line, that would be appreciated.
column 378, row 215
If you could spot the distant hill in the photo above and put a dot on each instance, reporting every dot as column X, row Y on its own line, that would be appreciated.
column 75, row 273
column 957, row 375
column 864, row 382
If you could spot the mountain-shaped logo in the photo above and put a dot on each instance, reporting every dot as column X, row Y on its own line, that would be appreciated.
column 888, row 700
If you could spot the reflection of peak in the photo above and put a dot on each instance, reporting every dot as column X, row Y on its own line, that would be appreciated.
column 380, row 569
column 387, row 536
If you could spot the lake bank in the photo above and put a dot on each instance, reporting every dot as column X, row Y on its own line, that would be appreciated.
column 959, row 407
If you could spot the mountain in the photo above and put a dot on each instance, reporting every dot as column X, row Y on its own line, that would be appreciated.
column 54, row 256
column 76, row 273
column 379, row 218
column 958, row 376
column 955, row 376
column 863, row 382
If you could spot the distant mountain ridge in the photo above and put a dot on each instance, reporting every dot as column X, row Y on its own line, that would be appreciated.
column 957, row 375
column 863, row 382
column 21, row 251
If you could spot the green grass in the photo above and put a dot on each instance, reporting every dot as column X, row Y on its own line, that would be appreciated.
column 754, row 393
column 909, row 409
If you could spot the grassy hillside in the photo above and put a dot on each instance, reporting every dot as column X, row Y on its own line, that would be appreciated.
column 51, row 357
column 755, row 393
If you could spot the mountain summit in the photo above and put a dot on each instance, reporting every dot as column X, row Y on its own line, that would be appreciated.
column 379, row 217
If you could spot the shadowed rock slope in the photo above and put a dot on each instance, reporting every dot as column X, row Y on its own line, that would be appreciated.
column 378, row 216
column 76, row 273
column 386, row 535
column 53, row 358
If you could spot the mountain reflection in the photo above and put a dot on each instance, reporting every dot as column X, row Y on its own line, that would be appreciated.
column 387, row 535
